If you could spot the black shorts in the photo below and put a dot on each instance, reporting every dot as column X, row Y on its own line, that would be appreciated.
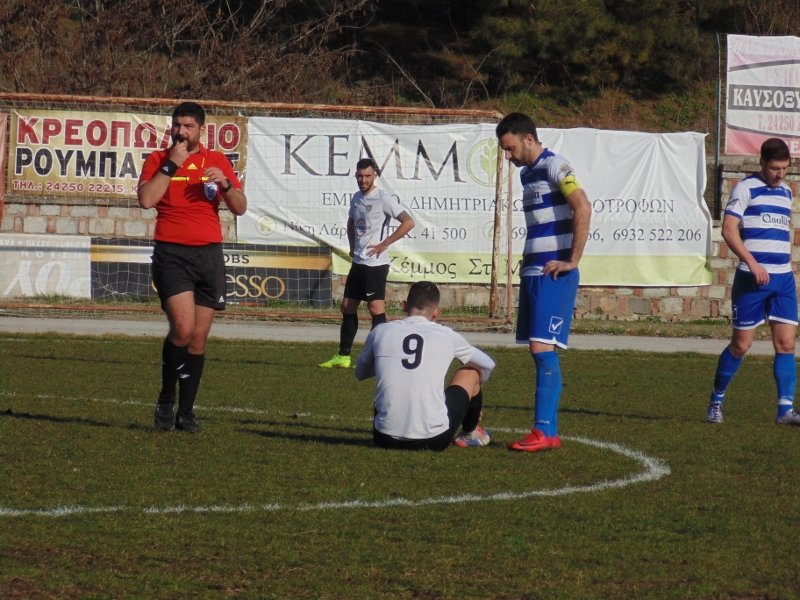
column 366, row 283
column 178, row 268
column 457, row 401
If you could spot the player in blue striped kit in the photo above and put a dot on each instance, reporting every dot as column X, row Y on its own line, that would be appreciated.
column 557, row 215
column 757, row 227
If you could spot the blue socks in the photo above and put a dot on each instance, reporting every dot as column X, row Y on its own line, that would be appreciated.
column 727, row 366
column 785, row 372
column 784, row 369
column 548, row 392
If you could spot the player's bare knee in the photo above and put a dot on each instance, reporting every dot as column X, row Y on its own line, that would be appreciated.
column 198, row 339
column 376, row 307
column 469, row 379
column 180, row 337
column 739, row 349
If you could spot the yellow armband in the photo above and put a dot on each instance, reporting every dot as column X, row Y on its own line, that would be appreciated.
column 568, row 185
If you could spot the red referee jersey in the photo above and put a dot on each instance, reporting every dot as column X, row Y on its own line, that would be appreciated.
column 185, row 214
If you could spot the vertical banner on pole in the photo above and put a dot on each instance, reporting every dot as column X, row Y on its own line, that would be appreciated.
column 3, row 155
column 763, row 92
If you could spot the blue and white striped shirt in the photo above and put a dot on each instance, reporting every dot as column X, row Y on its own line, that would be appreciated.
column 548, row 216
column 765, row 215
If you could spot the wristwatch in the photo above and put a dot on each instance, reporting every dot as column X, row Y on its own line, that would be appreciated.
column 228, row 187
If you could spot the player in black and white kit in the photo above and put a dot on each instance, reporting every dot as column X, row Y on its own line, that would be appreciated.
column 410, row 359
column 371, row 212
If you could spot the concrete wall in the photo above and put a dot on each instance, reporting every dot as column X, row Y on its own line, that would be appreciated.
column 125, row 219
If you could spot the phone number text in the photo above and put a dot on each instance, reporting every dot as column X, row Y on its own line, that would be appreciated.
column 654, row 234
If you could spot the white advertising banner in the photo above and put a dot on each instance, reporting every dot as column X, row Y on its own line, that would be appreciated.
column 763, row 98
column 45, row 265
column 650, row 225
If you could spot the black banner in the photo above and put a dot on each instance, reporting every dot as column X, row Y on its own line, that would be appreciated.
column 255, row 274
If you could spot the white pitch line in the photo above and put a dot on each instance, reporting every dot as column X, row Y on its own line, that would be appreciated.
column 654, row 469
column 228, row 409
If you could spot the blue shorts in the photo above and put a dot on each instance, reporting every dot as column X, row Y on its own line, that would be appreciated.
column 752, row 304
column 545, row 308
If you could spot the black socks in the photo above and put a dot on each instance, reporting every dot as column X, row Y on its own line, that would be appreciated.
column 190, row 376
column 347, row 333
column 172, row 359
column 378, row 319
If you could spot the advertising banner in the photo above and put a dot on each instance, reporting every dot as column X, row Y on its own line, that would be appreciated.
column 650, row 224
column 99, row 154
column 3, row 154
column 108, row 269
column 44, row 265
column 301, row 177
column 255, row 275
column 763, row 92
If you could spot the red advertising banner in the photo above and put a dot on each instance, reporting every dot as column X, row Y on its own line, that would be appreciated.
column 99, row 155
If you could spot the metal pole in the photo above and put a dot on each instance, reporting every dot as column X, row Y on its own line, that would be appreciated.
column 717, row 169
column 498, row 208
column 509, row 245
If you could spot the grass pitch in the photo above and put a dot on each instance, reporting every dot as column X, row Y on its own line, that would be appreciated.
column 283, row 496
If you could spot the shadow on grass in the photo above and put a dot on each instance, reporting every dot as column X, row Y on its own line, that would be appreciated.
column 332, row 440
column 301, row 425
column 580, row 411
column 287, row 362
column 8, row 413
column 606, row 413
column 81, row 359
column 146, row 428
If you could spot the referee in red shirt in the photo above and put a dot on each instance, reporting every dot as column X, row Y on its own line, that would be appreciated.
column 185, row 184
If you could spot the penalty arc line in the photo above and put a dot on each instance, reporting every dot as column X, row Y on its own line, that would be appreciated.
column 654, row 469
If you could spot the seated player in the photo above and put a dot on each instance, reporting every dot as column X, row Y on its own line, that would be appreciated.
column 410, row 359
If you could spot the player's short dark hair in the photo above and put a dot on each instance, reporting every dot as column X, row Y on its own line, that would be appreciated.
column 422, row 295
column 190, row 109
column 518, row 124
column 366, row 163
column 775, row 149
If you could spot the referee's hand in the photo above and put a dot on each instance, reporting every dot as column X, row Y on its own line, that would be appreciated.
column 179, row 152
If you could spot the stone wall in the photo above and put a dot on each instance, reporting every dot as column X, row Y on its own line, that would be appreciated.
column 124, row 219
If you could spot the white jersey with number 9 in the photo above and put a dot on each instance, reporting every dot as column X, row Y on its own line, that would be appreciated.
column 410, row 359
